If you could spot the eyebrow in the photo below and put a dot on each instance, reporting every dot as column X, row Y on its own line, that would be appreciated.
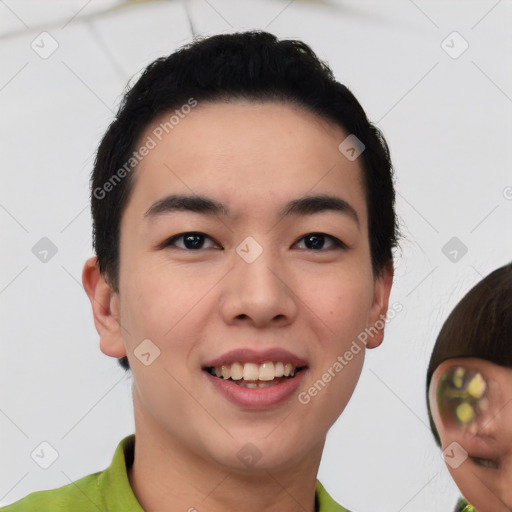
column 307, row 205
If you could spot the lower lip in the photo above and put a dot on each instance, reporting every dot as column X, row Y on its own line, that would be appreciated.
column 257, row 398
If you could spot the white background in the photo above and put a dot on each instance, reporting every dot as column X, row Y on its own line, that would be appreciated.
column 449, row 125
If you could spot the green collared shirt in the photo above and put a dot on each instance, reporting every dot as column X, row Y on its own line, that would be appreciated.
column 110, row 491
column 464, row 506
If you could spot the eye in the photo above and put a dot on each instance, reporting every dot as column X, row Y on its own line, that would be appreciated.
column 191, row 240
column 315, row 241
column 486, row 463
column 194, row 240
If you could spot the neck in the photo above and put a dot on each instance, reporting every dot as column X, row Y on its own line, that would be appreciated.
column 167, row 475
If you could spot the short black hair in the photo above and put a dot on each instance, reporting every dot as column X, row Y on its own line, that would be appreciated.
column 479, row 326
column 251, row 65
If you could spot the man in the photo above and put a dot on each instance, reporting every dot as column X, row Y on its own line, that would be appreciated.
column 243, row 211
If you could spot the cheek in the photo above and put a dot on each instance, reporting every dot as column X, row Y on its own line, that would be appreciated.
column 158, row 299
column 483, row 491
column 463, row 479
column 342, row 300
column 331, row 386
column 482, row 488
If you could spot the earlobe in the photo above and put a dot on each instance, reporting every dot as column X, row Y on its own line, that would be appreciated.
column 105, row 309
column 379, row 310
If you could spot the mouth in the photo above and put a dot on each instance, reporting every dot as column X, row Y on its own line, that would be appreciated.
column 256, row 376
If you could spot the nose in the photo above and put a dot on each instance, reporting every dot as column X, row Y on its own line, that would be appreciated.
column 259, row 293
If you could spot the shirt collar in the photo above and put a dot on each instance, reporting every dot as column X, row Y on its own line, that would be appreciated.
column 113, row 482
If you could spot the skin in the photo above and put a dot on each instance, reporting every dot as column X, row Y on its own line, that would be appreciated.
column 197, row 305
column 485, row 475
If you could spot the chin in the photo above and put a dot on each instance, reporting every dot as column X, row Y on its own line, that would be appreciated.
column 254, row 454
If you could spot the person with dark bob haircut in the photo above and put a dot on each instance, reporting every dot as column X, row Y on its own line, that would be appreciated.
column 469, row 394
column 244, row 228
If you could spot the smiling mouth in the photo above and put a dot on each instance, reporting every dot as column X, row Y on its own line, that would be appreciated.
column 252, row 375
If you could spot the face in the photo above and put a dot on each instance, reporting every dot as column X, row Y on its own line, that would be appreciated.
column 471, row 404
column 251, row 296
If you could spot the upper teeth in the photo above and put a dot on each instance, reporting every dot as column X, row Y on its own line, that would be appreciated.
column 253, row 371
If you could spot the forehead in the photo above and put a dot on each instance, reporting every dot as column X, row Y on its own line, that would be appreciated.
column 248, row 154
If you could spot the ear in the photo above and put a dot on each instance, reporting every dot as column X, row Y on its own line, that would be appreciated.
column 105, row 309
column 379, row 309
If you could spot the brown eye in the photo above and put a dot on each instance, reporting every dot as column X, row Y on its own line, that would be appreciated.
column 317, row 241
column 191, row 240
